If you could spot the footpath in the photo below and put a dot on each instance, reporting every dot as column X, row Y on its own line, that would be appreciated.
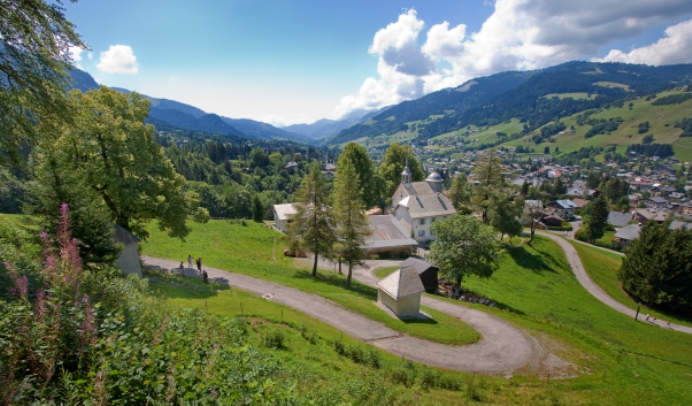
column 595, row 290
column 502, row 348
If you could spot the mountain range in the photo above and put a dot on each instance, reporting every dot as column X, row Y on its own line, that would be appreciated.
column 535, row 98
column 176, row 114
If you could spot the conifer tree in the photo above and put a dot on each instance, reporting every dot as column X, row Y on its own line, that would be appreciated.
column 350, row 222
column 257, row 209
column 312, row 227
column 525, row 188
column 488, row 170
column 460, row 194
column 597, row 220
column 365, row 171
column 505, row 214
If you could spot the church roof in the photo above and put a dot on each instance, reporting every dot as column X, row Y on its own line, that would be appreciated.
column 402, row 283
column 434, row 177
column 406, row 171
column 427, row 205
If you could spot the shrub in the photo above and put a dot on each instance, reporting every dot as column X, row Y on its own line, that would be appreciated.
column 273, row 338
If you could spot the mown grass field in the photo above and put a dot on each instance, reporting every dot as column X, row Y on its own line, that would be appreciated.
column 603, row 268
column 257, row 250
column 535, row 290
column 383, row 272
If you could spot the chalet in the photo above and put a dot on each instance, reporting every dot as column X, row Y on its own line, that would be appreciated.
column 426, row 271
column 656, row 202
column 618, row 219
column 563, row 208
column 291, row 166
column 626, row 235
column 283, row 215
column 580, row 203
column 644, row 215
column 419, row 204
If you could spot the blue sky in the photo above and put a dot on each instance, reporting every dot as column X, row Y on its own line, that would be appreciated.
column 298, row 61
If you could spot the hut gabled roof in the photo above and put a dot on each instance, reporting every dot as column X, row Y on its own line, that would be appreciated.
column 402, row 283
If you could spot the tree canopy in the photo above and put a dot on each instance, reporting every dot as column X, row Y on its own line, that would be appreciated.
column 658, row 267
column 466, row 247
column 35, row 39
column 365, row 171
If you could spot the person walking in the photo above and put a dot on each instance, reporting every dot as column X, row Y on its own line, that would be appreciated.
column 182, row 268
column 199, row 264
column 189, row 261
column 647, row 317
column 205, row 277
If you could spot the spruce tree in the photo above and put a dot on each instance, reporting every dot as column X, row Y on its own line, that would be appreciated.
column 312, row 227
column 597, row 221
column 350, row 222
column 257, row 209
column 460, row 194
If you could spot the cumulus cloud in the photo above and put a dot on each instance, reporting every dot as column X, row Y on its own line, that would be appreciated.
column 519, row 35
column 76, row 56
column 673, row 48
column 118, row 59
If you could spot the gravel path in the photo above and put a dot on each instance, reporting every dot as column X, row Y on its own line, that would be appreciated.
column 502, row 349
column 595, row 290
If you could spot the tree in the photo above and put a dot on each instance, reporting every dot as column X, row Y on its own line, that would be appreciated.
column 257, row 209
column 351, row 225
column 488, row 170
column 505, row 214
column 365, row 171
column 597, row 220
column 115, row 155
column 657, row 267
column 525, row 188
column 546, row 150
column 593, row 180
column 534, row 212
column 560, row 188
column 459, row 193
column 466, row 247
column 35, row 39
column 393, row 164
column 312, row 226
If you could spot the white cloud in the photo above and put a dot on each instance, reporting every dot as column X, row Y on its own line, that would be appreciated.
column 76, row 56
column 90, row 55
column 673, row 48
column 519, row 35
column 118, row 59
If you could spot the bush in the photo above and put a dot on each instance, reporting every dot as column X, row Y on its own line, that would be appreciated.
column 76, row 336
column 564, row 227
column 273, row 338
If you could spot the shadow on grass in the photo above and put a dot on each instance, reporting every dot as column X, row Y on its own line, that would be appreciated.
column 340, row 282
column 183, row 287
column 541, row 261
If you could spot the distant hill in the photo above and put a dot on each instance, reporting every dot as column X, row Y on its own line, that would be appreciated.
column 188, row 117
column 524, row 96
column 326, row 128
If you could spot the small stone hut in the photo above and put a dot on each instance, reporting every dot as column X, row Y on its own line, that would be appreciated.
column 128, row 260
column 426, row 271
column 400, row 292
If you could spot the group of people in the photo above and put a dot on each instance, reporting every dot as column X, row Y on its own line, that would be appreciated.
column 652, row 320
column 198, row 262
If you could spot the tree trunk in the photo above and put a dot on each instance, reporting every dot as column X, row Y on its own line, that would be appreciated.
column 533, row 232
column 350, row 272
column 340, row 273
column 314, row 267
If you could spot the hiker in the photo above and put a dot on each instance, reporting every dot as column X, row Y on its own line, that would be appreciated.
column 182, row 268
column 189, row 261
column 199, row 264
column 668, row 323
column 653, row 320
column 205, row 277
column 647, row 317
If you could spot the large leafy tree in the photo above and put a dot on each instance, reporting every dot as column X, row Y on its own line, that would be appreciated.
column 35, row 39
column 505, row 214
column 466, row 247
column 312, row 223
column 597, row 219
column 114, row 154
column 350, row 222
column 357, row 156
column 393, row 164
column 658, row 267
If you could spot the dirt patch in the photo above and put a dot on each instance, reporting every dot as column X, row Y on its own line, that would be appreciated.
column 546, row 360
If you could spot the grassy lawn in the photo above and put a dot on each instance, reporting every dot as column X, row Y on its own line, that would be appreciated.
column 603, row 268
column 535, row 286
column 256, row 250
column 382, row 272
column 606, row 239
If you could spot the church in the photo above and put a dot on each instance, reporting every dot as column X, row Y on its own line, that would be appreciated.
column 417, row 205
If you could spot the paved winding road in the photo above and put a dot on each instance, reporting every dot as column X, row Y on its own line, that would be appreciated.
column 595, row 290
column 502, row 348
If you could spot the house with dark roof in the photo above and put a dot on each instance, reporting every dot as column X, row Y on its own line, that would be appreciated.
column 426, row 271
column 626, row 235
column 618, row 219
column 656, row 202
column 400, row 292
column 128, row 260
column 417, row 205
